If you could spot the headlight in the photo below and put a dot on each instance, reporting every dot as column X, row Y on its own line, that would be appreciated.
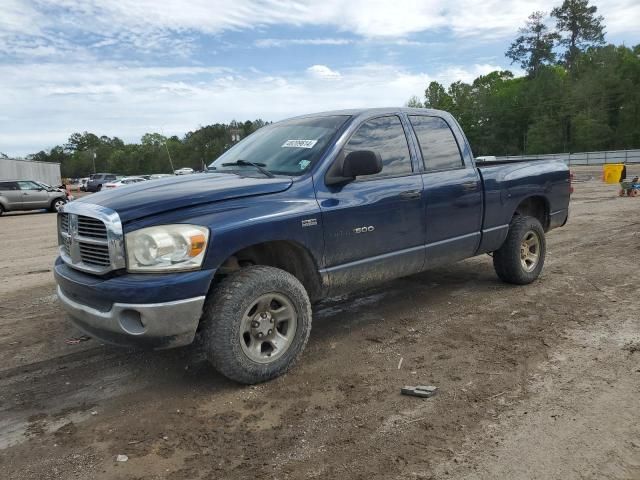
column 166, row 248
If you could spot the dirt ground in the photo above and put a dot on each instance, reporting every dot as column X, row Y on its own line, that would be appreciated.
column 535, row 382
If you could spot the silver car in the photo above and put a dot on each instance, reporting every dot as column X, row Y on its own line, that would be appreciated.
column 29, row 195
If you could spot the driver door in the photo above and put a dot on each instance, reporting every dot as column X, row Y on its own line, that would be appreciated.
column 373, row 226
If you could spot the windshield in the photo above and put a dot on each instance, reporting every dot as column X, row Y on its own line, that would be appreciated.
column 285, row 148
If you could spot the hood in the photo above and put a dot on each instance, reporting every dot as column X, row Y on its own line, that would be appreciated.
column 171, row 193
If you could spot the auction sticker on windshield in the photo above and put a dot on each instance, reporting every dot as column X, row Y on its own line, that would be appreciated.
column 299, row 143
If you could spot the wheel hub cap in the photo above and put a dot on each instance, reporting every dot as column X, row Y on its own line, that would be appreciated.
column 262, row 325
column 530, row 251
column 268, row 327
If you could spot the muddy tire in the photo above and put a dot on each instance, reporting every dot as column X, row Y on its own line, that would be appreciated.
column 520, row 259
column 634, row 193
column 256, row 323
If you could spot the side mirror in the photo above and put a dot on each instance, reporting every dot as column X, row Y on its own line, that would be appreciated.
column 361, row 162
column 355, row 164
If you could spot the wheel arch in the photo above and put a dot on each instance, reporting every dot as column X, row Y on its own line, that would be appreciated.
column 536, row 206
column 286, row 255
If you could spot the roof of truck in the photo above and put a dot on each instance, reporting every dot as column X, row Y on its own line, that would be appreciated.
column 354, row 112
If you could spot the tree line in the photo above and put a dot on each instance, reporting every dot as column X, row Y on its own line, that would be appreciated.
column 154, row 154
column 578, row 94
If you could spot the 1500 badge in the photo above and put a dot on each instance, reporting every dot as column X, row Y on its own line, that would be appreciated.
column 368, row 229
column 309, row 222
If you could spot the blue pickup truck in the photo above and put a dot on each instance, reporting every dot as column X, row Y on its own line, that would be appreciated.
column 300, row 210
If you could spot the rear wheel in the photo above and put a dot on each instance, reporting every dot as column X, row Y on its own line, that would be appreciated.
column 634, row 193
column 521, row 257
column 99, row 188
column 256, row 323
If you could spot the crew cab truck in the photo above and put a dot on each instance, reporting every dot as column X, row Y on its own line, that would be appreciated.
column 300, row 210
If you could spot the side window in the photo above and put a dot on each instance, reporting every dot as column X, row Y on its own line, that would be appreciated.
column 438, row 145
column 8, row 186
column 28, row 186
column 110, row 177
column 384, row 135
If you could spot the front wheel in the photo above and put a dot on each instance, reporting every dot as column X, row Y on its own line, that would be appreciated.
column 256, row 323
column 56, row 205
column 521, row 257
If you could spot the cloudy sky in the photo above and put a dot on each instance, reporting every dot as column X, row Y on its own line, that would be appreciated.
column 126, row 67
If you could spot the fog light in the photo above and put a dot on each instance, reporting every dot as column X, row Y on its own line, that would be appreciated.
column 131, row 322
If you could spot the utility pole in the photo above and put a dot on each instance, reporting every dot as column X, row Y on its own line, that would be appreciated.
column 93, row 156
column 169, row 155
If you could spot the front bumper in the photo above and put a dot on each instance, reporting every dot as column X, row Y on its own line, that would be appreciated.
column 154, row 325
column 152, row 311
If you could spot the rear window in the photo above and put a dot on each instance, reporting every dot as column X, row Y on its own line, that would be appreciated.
column 96, row 177
column 438, row 145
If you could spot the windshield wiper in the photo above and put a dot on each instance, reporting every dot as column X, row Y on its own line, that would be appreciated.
column 246, row 163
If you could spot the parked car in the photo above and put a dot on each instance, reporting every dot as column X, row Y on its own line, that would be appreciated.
column 29, row 195
column 302, row 209
column 124, row 181
column 59, row 188
column 83, row 184
column 156, row 176
column 184, row 171
column 97, row 180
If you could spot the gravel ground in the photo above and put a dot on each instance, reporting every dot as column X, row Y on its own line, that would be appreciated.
column 540, row 381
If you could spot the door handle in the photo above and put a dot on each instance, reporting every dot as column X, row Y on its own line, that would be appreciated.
column 470, row 186
column 410, row 194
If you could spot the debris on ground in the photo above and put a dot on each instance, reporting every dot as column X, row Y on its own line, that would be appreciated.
column 424, row 391
column 76, row 340
column 122, row 458
column 632, row 347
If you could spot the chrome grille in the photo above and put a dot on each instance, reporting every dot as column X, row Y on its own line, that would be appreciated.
column 91, row 227
column 90, row 238
column 64, row 222
column 95, row 254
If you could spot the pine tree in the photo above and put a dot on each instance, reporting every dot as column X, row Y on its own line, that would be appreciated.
column 534, row 47
column 579, row 28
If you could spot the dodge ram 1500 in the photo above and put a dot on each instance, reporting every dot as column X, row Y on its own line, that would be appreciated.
column 300, row 210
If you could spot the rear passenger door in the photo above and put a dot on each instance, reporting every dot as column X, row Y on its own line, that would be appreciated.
column 11, row 195
column 452, row 193
column 373, row 226
column 33, row 195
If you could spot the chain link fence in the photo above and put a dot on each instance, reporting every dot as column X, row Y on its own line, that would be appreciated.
column 584, row 158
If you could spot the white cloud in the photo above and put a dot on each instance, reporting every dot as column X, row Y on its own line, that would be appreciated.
column 287, row 42
column 43, row 104
column 144, row 24
column 323, row 72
